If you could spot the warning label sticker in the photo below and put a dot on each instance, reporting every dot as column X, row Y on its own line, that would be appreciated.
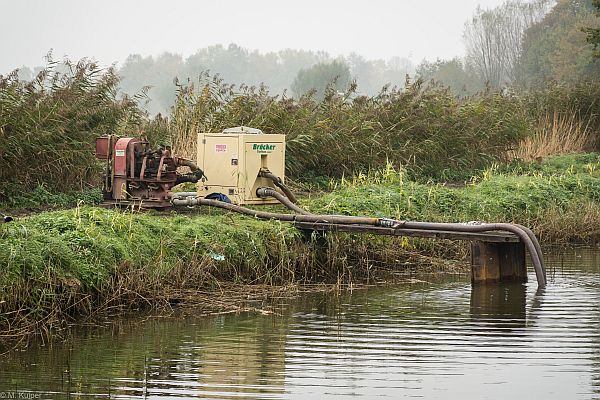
column 120, row 152
column 220, row 148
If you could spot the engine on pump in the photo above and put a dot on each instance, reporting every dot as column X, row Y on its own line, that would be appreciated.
column 135, row 174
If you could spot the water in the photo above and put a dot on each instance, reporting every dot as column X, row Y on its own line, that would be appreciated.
column 436, row 338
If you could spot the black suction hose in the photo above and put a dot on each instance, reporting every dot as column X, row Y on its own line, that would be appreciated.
column 269, row 192
column 523, row 233
column 536, row 243
column 532, row 244
column 328, row 219
column 279, row 183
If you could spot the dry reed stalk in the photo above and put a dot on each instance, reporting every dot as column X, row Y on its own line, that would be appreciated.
column 556, row 133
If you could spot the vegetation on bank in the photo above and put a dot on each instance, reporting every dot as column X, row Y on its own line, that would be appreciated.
column 558, row 198
column 71, row 263
column 48, row 126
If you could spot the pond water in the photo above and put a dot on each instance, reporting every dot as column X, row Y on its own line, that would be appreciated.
column 435, row 338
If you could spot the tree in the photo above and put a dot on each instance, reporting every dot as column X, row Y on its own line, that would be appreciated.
column 451, row 73
column 493, row 39
column 593, row 34
column 555, row 49
column 320, row 76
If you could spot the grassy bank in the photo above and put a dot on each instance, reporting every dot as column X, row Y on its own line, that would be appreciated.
column 62, row 265
column 558, row 198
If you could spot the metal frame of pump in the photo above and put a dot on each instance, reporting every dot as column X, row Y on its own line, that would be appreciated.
column 137, row 174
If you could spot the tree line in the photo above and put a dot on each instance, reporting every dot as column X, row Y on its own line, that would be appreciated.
column 293, row 72
column 524, row 44
column 519, row 44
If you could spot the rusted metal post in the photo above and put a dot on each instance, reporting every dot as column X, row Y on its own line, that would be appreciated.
column 498, row 262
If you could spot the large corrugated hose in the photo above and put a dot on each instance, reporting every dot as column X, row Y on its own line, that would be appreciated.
column 270, row 192
column 279, row 183
column 523, row 233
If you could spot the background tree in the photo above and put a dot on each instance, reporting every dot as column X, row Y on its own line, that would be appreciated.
column 593, row 34
column 451, row 73
column 237, row 65
column 320, row 76
column 372, row 75
column 493, row 39
column 555, row 48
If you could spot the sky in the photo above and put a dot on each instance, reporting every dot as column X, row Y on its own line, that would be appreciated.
column 109, row 30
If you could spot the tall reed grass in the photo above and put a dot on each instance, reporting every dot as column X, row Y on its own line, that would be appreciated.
column 423, row 128
column 555, row 133
column 48, row 125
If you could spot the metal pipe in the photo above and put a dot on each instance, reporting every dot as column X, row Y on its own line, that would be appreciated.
column 279, row 183
column 183, row 194
column 270, row 192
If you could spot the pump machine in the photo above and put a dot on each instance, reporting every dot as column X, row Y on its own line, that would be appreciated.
column 232, row 166
column 239, row 161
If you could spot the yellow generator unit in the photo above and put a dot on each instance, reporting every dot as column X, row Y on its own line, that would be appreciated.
column 236, row 162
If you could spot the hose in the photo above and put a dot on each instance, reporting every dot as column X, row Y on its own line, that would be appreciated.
column 269, row 192
column 279, row 183
column 536, row 243
column 184, row 162
column 192, row 177
column 328, row 219
column 532, row 244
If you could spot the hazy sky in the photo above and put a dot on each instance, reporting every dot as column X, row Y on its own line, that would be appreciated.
column 109, row 30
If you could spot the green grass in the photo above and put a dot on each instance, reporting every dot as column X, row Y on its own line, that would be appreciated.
column 564, row 187
column 19, row 199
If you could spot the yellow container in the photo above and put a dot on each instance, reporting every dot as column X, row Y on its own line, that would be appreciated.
column 232, row 160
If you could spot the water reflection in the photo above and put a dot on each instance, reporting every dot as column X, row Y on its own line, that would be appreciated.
column 433, row 338
column 501, row 305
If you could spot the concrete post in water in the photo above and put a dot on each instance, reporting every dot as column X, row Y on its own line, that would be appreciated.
column 493, row 262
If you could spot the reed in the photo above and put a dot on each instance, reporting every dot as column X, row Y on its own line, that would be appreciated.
column 422, row 128
column 557, row 132
column 48, row 125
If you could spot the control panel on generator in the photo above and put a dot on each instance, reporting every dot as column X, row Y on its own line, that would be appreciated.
column 233, row 161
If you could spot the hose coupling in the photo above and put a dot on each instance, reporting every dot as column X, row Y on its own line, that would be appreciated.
column 390, row 223
column 264, row 192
